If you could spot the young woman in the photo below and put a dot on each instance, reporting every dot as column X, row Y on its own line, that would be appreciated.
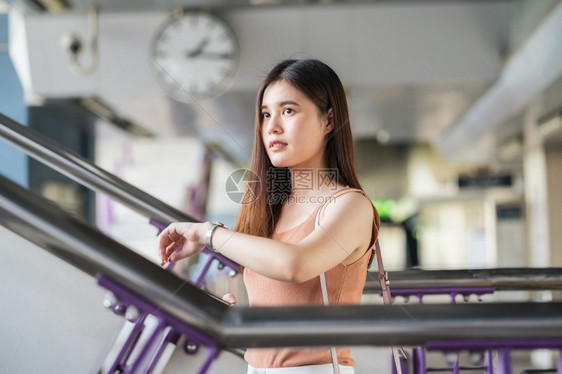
column 304, row 170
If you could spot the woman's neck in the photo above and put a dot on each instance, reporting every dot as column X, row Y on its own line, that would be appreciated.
column 313, row 181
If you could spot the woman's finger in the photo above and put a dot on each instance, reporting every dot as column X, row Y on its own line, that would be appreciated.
column 177, row 254
column 163, row 243
column 176, row 236
column 167, row 243
column 169, row 251
column 230, row 298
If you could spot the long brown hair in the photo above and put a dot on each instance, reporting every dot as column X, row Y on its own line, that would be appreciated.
column 321, row 85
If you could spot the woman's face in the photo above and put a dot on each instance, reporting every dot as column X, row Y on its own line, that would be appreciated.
column 293, row 131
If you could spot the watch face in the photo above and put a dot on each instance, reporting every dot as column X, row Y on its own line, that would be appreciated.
column 194, row 55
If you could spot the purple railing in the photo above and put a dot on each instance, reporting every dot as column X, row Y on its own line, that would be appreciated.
column 486, row 347
column 152, row 350
column 168, row 329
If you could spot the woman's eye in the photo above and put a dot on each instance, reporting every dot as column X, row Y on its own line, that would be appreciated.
column 288, row 111
column 265, row 115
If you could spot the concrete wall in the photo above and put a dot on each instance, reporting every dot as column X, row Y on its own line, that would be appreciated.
column 554, row 187
column 52, row 319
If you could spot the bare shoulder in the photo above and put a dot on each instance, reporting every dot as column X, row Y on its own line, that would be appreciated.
column 353, row 205
column 349, row 219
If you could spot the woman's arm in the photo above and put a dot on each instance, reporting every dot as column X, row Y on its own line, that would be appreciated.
column 343, row 234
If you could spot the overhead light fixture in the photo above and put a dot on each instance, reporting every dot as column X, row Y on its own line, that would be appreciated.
column 263, row 2
column 4, row 6
column 382, row 136
column 550, row 123
column 54, row 6
column 103, row 111
column 511, row 148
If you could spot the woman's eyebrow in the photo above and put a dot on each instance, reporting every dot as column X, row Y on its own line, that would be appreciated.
column 288, row 102
column 282, row 103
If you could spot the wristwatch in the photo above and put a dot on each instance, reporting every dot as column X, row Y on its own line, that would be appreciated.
column 209, row 235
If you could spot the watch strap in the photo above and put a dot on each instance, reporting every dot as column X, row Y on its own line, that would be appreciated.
column 209, row 235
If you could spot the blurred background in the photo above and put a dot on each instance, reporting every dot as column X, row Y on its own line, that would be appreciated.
column 456, row 111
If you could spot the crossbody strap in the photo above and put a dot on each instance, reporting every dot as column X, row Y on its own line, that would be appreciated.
column 387, row 299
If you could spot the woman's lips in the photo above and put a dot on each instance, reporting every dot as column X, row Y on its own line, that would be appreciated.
column 277, row 145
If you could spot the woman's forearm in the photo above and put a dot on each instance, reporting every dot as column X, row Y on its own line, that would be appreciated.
column 271, row 258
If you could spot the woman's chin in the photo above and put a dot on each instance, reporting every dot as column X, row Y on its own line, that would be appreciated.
column 279, row 162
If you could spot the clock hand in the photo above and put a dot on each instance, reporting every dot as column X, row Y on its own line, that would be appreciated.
column 198, row 50
column 216, row 55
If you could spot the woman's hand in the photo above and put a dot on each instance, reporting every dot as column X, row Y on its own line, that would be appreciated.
column 188, row 236
column 230, row 298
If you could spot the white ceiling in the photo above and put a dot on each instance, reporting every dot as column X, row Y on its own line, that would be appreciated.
column 412, row 69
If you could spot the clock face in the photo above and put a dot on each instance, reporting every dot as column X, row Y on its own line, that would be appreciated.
column 194, row 55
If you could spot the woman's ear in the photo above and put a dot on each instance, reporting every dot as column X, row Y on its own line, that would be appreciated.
column 329, row 117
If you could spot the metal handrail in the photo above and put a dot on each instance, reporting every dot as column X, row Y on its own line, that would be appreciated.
column 390, row 325
column 87, row 173
column 498, row 278
column 90, row 250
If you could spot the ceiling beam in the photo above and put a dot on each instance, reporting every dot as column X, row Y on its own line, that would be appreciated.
column 529, row 71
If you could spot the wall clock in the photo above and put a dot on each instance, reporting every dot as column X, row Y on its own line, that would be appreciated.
column 194, row 55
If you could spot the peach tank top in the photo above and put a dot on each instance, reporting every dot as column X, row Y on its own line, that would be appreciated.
column 345, row 286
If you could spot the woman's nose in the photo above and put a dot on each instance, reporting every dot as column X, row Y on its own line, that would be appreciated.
column 274, row 125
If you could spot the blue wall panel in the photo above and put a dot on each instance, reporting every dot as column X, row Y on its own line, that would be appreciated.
column 13, row 163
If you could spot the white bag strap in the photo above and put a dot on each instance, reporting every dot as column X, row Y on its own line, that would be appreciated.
column 326, row 301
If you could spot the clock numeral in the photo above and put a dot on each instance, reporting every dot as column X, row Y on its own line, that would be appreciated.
column 176, row 24
column 225, row 71
column 160, row 54
column 193, row 20
column 163, row 37
column 192, row 86
column 211, row 24
column 225, row 37
column 161, row 72
column 179, row 87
